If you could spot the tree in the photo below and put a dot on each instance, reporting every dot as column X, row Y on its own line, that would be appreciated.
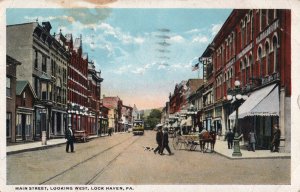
column 153, row 119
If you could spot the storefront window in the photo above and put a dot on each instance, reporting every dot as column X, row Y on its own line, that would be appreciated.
column 8, row 124
column 19, row 125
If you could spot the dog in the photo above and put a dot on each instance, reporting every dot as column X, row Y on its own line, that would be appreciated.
column 148, row 148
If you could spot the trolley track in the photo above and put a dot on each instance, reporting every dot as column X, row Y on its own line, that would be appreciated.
column 98, row 173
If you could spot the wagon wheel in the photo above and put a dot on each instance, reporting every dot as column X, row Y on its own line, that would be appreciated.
column 175, row 143
column 193, row 146
column 187, row 145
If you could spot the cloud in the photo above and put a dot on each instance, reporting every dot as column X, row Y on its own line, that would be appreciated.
column 193, row 31
column 69, row 19
column 200, row 39
column 140, row 70
column 123, row 69
column 177, row 39
column 215, row 29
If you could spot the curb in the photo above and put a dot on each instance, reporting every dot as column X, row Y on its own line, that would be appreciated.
column 238, row 158
column 44, row 147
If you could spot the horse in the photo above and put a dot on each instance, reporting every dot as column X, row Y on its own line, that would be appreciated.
column 207, row 137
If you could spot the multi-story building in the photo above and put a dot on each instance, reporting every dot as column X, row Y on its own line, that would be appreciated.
column 178, row 100
column 114, row 104
column 254, row 47
column 94, row 92
column 126, row 117
column 77, row 85
column 103, row 117
column 44, row 65
column 11, row 68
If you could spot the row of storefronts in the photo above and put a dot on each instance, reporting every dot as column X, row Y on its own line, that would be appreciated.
column 246, row 68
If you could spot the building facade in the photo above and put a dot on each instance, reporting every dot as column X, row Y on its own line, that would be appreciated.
column 45, row 67
column 114, row 104
column 25, row 98
column 254, row 47
column 94, row 92
column 11, row 81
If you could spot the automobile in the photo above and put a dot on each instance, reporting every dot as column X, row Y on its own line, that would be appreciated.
column 80, row 136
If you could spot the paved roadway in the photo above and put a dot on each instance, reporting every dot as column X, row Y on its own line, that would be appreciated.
column 122, row 159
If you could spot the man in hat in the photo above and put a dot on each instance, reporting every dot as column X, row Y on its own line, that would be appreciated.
column 70, row 139
column 159, row 140
column 166, row 142
column 276, row 139
column 229, row 136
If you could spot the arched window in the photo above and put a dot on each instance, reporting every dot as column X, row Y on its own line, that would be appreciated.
column 275, row 45
column 242, row 33
column 251, row 64
column 270, row 16
column 268, row 61
column 259, row 54
column 247, row 70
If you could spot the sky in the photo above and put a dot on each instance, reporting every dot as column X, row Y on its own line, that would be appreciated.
column 142, row 52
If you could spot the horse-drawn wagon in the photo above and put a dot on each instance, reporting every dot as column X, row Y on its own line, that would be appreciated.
column 191, row 141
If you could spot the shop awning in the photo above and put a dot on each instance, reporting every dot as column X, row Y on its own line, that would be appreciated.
column 263, row 102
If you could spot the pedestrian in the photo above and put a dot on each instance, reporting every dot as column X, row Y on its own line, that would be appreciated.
column 166, row 143
column 109, row 131
column 229, row 137
column 159, row 140
column 252, row 141
column 70, row 139
column 276, row 139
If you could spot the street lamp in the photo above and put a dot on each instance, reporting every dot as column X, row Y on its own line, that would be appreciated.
column 236, row 98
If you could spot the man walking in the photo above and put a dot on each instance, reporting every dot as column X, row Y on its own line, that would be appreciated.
column 229, row 136
column 166, row 143
column 159, row 140
column 70, row 139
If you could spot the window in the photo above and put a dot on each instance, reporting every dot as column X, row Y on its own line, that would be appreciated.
column 8, row 124
column 259, row 52
column 275, row 44
column 268, row 62
column 44, row 91
column 36, row 59
column 270, row 16
column 44, row 63
column 8, row 87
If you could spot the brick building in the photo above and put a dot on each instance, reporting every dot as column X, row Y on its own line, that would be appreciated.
column 254, row 47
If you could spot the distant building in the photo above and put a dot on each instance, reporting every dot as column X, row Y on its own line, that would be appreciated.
column 114, row 104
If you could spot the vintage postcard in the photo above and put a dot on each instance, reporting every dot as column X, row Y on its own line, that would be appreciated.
column 124, row 95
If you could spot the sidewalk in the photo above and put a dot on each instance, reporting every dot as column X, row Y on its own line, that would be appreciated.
column 33, row 146
column 222, row 149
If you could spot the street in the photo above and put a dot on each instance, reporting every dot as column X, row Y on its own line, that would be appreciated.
column 122, row 159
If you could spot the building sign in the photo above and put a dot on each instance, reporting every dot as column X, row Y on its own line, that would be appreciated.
column 230, row 63
column 244, row 51
column 268, row 31
column 205, row 60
